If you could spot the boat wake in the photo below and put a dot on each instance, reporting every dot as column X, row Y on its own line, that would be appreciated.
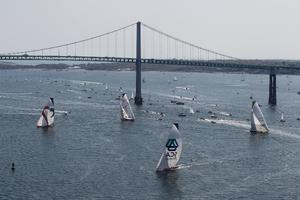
column 86, row 82
column 184, row 166
column 188, row 87
column 181, row 97
column 238, row 124
column 235, row 123
column 283, row 133
column 246, row 125
column 62, row 112
column 224, row 113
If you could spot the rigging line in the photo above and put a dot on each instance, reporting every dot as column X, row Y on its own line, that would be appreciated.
column 124, row 50
column 116, row 44
column 92, row 48
column 188, row 43
column 99, row 45
column 153, row 44
column 79, row 41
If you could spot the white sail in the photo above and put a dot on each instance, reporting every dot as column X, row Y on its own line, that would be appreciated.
column 282, row 118
column 126, row 111
column 175, row 78
column 172, row 151
column 258, row 122
column 47, row 116
column 192, row 110
column 106, row 86
column 132, row 96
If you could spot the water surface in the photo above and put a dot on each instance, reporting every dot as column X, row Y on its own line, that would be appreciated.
column 91, row 154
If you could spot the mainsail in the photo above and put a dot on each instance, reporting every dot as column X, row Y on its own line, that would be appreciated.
column 258, row 122
column 126, row 111
column 47, row 116
column 172, row 151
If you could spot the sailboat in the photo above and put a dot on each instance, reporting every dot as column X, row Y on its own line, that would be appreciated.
column 172, row 151
column 258, row 123
column 106, row 86
column 282, row 118
column 192, row 110
column 132, row 96
column 175, row 78
column 47, row 116
column 126, row 111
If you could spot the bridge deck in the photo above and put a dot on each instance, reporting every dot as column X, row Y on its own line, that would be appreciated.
column 208, row 63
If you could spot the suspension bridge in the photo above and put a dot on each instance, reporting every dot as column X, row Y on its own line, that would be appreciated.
column 139, row 43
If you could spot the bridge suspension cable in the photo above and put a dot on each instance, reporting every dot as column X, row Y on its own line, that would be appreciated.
column 121, row 43
column 191, row 47
column 76, row 43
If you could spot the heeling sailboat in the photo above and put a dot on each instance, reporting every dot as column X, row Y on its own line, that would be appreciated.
column 172, row 151
column 126, row 111
column 47, row 116
column 258, row 122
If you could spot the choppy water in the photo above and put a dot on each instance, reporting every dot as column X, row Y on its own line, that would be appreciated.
column 91, row 154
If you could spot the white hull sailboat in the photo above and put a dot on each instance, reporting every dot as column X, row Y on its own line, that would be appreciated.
column 126, row 111
column 258, row 122
column 192, row 110
column 132, row 96
column 172, row 151
column 282, row 118
column 47, row 116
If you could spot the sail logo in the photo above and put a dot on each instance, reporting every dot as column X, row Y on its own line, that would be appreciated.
column 172, row 145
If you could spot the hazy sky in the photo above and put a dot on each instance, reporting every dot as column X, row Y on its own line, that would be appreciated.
column 241, row 28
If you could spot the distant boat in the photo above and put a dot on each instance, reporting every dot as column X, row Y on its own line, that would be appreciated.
column 258, row 122
column 47, row 116
column 179, row 103
column 282, row 118
column 106, row 86
column 214, row 116
column 192, row 110
column 132, row 96
column 126, row 111
column 182, row 115
column 172, row 151
column 175, row 78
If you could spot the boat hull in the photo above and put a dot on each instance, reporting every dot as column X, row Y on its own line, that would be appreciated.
column 129, row 119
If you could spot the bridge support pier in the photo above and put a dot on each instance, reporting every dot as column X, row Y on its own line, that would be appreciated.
column 272, row 88
column 138, row 100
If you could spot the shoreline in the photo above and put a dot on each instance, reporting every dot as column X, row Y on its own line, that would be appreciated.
column 149, row 67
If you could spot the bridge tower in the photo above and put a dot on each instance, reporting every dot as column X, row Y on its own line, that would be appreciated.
column 272, row 88
column 138, row 100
